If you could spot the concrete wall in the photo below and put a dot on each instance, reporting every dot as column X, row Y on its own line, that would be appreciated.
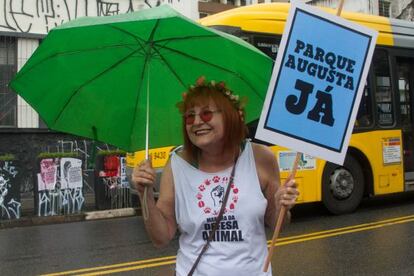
column 349, row 5
column 403, row 9
column 26, row 116
column 38, row 17
column 9, row 190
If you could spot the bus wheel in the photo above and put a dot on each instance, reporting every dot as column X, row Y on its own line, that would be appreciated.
column 343, row 186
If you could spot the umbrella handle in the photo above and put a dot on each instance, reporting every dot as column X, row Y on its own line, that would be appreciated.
column 144, row 207
column 145, row 204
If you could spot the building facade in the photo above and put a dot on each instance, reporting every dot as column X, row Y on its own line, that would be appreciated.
column 23, row 25
column 208, row 7
column 400, row 9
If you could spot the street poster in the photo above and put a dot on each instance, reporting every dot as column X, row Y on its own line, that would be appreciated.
column 46, row 179
column 123, row 174
column 317, row 83
column 111, row 166
column 70, row 173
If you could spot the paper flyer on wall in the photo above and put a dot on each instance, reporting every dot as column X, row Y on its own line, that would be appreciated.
column 70, row 173
column 46, row 179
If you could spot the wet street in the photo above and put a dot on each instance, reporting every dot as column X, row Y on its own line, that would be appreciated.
column 376, row 240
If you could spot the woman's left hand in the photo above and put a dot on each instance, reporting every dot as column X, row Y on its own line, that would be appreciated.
column 286, row 195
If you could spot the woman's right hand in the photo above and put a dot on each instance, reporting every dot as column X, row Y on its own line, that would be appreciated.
column 143, row 175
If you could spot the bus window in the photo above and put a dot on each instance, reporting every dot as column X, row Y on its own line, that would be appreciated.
column 405, row 74
column 404, row 94
column 383, row 91
column 364, row 116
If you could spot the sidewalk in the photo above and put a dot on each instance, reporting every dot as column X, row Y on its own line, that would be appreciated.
column 29, row 218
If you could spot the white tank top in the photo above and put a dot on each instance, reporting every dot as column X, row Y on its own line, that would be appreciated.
column 239, row 246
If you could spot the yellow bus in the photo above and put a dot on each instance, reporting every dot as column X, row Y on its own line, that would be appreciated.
column 380, row 158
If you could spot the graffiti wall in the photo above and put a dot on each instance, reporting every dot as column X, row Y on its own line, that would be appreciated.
column 26, row 146
column 59, row 187
column 85, row 150
column 40, row 16
column 112, row 190
column 9, row 191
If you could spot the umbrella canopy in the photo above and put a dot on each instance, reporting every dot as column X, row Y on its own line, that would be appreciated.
column 90, row 77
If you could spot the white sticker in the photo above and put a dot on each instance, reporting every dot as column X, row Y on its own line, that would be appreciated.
column 391, row 150
column 287, row 158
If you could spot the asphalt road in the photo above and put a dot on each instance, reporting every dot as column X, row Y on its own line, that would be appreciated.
column 376, row 240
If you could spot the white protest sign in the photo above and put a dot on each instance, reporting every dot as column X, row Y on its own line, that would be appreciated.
column 317, row 83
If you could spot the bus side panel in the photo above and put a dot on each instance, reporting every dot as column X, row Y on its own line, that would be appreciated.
column 307, row 179
column 159, row 157
column 388, row 175
column 387, row 178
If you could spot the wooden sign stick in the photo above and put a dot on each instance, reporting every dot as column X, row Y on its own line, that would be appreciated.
column 341, row 5
column 282, row 215
column 283, row 210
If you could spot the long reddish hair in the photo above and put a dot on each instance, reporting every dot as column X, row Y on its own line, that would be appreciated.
column 235, row 130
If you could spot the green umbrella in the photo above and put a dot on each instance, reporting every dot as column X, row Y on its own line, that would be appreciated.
column 96, row 76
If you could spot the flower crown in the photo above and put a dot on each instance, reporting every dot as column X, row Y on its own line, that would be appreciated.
column 237, row 101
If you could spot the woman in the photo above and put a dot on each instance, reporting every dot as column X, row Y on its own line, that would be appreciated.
column 194, row 185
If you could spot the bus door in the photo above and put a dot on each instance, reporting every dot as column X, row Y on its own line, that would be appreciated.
column 405, row 74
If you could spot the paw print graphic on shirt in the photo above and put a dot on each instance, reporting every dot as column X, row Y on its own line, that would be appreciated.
column 209, row 197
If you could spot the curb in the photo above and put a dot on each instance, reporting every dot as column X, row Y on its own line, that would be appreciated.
column 33, row 221
column 92, row 215
column 113, row 213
